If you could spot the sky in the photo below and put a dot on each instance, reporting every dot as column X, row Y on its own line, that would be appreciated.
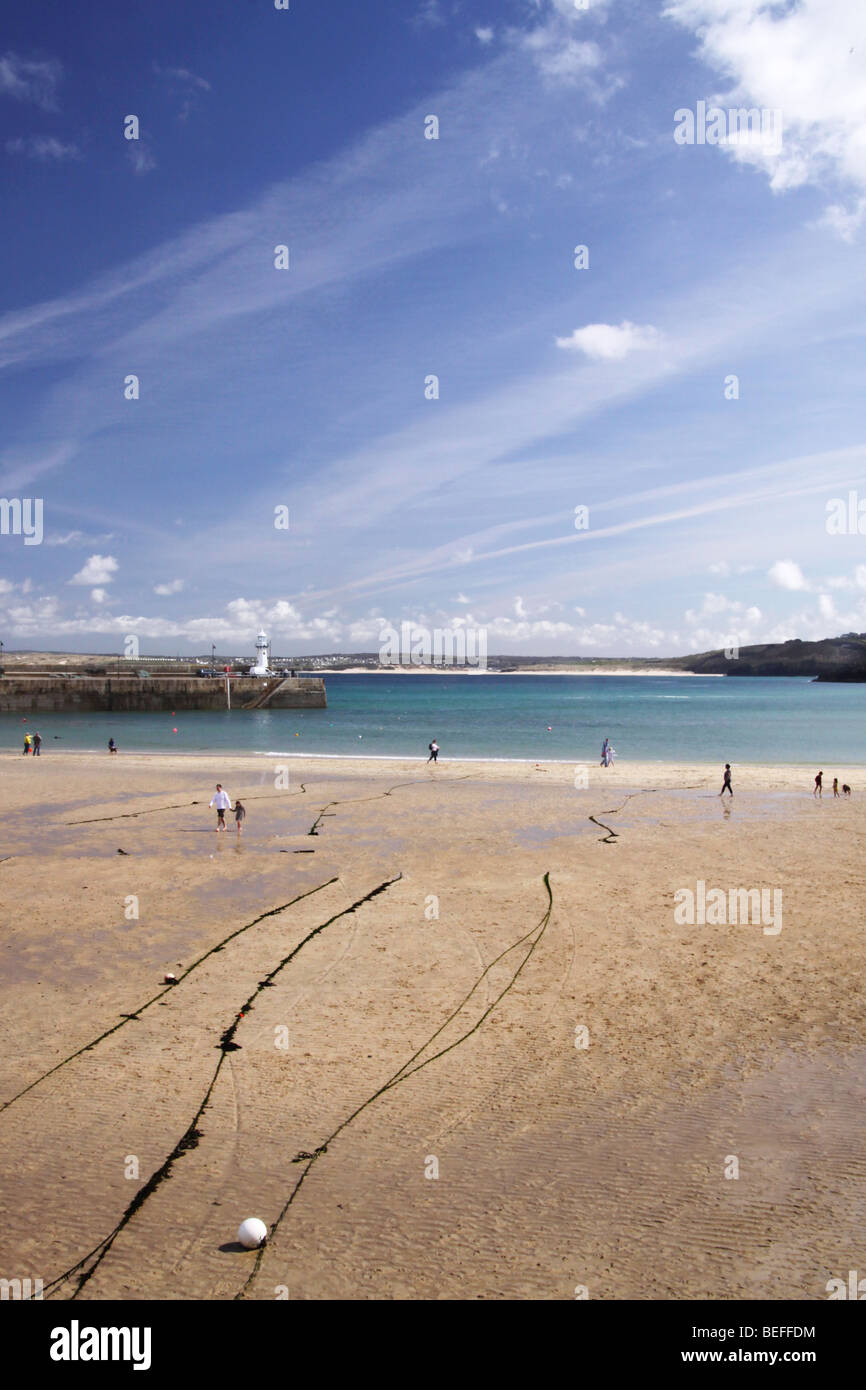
column 440, row 411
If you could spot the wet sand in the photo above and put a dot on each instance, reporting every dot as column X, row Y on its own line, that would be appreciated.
column 382, row 1044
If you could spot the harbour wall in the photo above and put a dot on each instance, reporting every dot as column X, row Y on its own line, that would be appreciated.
column 155, row 695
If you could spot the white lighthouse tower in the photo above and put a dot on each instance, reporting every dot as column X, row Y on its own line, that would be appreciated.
column 263, row 656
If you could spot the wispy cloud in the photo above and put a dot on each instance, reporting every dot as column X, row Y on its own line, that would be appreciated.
column 32, row 80
column 140, row 156
column 186, row 84
column 183, row 76
column 44, row 148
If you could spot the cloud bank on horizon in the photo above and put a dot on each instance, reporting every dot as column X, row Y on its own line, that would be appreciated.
column 464, row 335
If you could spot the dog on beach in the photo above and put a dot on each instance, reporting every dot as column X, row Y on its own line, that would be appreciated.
column 846, row 790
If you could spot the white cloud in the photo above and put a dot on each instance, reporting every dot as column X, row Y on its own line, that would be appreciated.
column 567, row 60
column 67, row 538
column 99, row 595
column 569, row 10
column 429, row 15
column 607, row 341
column 484, row 35
column 99, row 569
column 165, row 590
column 26, row 80
column 563, row 59
column 461, row 598
column 712, row 605
column 183, row 75
column 806, row 60
column 43, row 147
column 787, row 575
column 844, row 582
column 845, row 222
column 140, row 156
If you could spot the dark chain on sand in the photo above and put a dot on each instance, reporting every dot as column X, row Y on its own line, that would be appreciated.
column 86, row 1267
column 358, row 800
column 136, row 1015
column 181, row 806
column 407, row 1070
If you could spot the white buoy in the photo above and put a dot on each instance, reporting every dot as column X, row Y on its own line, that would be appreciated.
column 252, row 1233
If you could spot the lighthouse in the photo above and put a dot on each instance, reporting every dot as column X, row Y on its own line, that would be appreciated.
column 263, row 656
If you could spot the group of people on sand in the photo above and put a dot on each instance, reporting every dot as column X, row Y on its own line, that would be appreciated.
column 819, row 786
column 818, row 790
column 222, row 802
column 33, row 744
column 607, row 754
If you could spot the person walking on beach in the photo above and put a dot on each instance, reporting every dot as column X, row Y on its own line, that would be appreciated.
column 726, row 784
column 240, row 816
column 605, row 750
column 835, row 786
column 223, row 802
column 112, row 746
column 434, row 752
column 37, row 744
column 819, row 786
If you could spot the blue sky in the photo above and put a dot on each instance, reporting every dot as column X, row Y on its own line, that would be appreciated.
column 602, row 387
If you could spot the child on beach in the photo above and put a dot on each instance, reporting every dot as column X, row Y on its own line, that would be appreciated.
column 835, row 786
column 726, row 784
column 240, row 816
column 223, row 802
column 112, row 746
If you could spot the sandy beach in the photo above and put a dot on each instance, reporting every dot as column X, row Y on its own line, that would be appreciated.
column 439, row 1026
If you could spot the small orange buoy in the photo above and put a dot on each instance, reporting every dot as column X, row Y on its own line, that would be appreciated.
column 174, row 731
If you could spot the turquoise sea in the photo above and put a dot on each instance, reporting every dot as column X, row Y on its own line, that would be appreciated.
column 695, row 718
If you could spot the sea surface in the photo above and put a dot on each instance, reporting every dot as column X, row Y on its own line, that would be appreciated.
column 707, row 719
